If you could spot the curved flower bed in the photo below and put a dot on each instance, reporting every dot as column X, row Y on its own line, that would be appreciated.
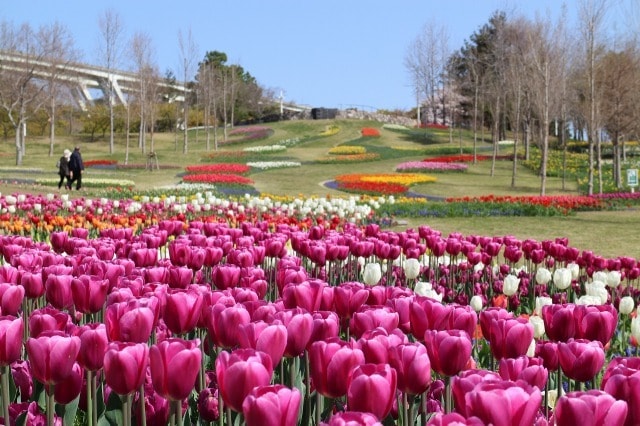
column 375, row 184
column 431, row 166
column 267, row 149
column 464, row 158
column 100, row 163
column 352, row 158
column 90, row 182
column 247, row 134
column 267, row 165
column 442, row 326
column 560, row 202
column 218, row 178
column 330, row 130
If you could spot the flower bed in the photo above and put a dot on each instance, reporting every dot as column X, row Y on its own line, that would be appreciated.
column 90, row 182
column 370, row 132
column 218, row 178
column 265, row 148
column 347, row 150
column 561, row 202
column 226, row 168
column 330, row 130
column 458, row 158
column 267, row 165
column 374, row 184
column 247, row 134
column 447, row 325
column 431, row 166
column 100, row 163
column 352, row 158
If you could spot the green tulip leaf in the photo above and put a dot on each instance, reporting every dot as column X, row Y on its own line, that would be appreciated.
column 68, row 411
column 113, row 414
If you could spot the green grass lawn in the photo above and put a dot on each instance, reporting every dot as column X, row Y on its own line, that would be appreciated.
column 606, row 233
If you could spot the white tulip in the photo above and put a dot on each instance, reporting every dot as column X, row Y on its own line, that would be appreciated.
column 635, row 328
column 543, row 276
column 11, row 209
column 626, row 305
column 22, row 198
column 531, row 351
column 50, row 196
column 64, row 197
column 371, row 274
column 597, row 289
column 37, row 207
column 613, row 279
column 10, row 199
column 599, row 276
column 116, row 203
column 562, row 278
column 538, row 326
column 540, row 302
column 476, row 303
column 588, row 300
column 575, row 270
column 411, row 268
column 510, row 285
column 423, row 288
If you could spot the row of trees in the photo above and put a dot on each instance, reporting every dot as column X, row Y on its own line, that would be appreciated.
column 536, row 78
column 217, row 93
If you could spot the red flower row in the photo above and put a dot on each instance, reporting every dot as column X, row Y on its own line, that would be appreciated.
column 374, row 188
column 232, row 168
column 370, row 131
column 91, row 163
column 218, row 178
column 570, row 203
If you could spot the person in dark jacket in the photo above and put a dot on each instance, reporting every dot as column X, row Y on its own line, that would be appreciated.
column 63, row 170
column 76, row 167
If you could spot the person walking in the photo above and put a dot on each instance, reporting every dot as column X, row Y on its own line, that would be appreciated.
column 76, row 167
column 63, row 170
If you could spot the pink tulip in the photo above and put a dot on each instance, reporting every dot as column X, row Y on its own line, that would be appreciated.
column 596, row 322
column 143, row 257
column 326, row 325
column 183, row 309
column 32, row 283
column 411, row 361
column 261, row 336
column 548, row 352
column 130, row 321
column 93, row 346
column 372, row 389
column 622, row 381
column 428, row 314
column 369, row 318
column 593, row 407
column 208, row 405
column 504, row 403
column 352, row 418
column 464, row 382
column 463, row 318
column 11, row 296
column 125, row 366
column 510, row 338
column 449, row 350
column 490, row 314
column 274, row 405
column 299, row 325
column 239, row 372
column 559, row 323
column 306, row 295
column 11, row 331
column 58, row 241
column 47, row 319
column 225, row 276
column 223, row 323
column 332, row 363
column 58, row 291
column 348, row 298
column 524, row 368
column 170, row 356
column 453, row 419
column 69, row 389
column 89, row 293
column 179, row 277
column 581, row 359
column 375, row 344
column 52, row 356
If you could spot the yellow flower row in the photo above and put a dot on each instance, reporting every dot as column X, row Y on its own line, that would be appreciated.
column 397, row 178
column 330, row 130
column 347, row 149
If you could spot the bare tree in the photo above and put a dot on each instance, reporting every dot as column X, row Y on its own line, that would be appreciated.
column 21, row 96
column 188, row 55
column 143, row 56
column 110, row 50
column 60, row 45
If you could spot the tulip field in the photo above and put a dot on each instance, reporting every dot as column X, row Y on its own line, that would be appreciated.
column 158, row 311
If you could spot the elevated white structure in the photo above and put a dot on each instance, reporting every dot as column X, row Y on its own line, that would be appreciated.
column 81, row 78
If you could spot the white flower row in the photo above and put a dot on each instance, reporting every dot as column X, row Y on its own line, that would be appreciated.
column 266, row 148
column 266, row 165
column 394, row 127
column 289, row 142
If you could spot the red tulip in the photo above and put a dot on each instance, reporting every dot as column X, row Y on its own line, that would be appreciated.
column 352, row 418
column 239, row 372
column 504, row 403
column 52, row 356
column 524, row 368
column 581, row 359
column 372, row 389
column 170, row 356
column 11, row 331
column 125, row 366
column 89, row 293
column 464, row 382
column 411, row 361
column 183, row 309
column 510, row 338
column 274, row 405
column 449, row 350
column 93, row 346
column 261, row 336
column 332, row 363
column 593, row 407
